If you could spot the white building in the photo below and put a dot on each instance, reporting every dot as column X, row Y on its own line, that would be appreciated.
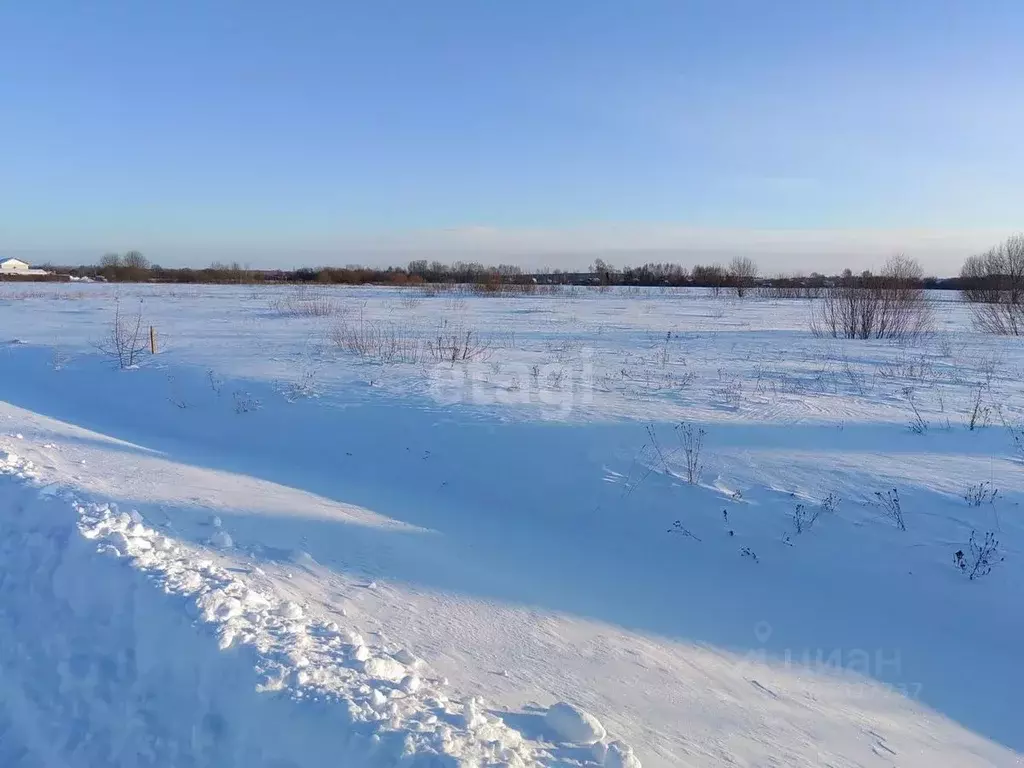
column 18, row 267
column 13, row 265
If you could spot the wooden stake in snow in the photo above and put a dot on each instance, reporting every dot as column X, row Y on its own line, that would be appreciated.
column 152, row 339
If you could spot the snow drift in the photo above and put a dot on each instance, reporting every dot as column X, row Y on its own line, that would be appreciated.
column 100, row 668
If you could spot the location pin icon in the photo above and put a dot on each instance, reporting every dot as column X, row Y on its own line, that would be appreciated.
column 762, row 631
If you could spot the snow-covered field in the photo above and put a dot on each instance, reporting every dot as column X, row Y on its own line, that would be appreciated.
column 303, row 535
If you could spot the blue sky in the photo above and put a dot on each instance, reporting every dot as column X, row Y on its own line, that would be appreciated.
column 324, row 131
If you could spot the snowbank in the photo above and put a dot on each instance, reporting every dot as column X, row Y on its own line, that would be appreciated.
column 573, row 724
column 97, row 667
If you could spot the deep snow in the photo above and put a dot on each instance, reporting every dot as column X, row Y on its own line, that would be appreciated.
column 508, row 525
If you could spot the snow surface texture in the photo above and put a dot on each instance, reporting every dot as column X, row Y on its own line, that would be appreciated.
column 502, row 530
column 123, row 665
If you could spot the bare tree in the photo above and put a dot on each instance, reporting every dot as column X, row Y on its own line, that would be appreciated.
column 995, row 287
column 124, row 340
column 135, row 260
column 742, row 274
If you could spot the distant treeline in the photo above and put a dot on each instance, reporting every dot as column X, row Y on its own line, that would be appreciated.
column 740, row 276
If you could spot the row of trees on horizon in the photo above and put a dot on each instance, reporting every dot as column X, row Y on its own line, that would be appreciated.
column 984, row 277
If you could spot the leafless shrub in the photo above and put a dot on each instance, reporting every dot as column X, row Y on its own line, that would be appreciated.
column 124, row 341
column 307, row 383
column 917, row 424
column 920, row 370
column 945, row 344
column 788, row 290
column 304, row 302
column 830, row 503
column 729, row 389
column 805, row 517
column 565, row 349
column 457, row 345
column 431, row 289
column 691, row 440
column 748, row 552
column 379, row 342
column 858, row 379
column 979, row 558
column 1003, row 318
column 176, row 398
column 216, row 383
column 682, row 530
column 978, row 415
column 656, row 445
column 891, row 507
column 409, row 301
column 995, row 287
column 494, row 285
column 245, row 402
column 665, row 352
column 890, row 306
column 981, row 493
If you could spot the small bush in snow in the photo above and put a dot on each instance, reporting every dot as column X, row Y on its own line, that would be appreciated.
column 303, row 302
column 457, row 345
column 891, row 507
column 748, row 552
column 244, row 402
column 378, row 342
column 692, row 441
column 555, row 378
column 979, row 494
column 215, row 383
column 945, row 344
column 729, row 390
column 917, row 423
column 306, row 386
column 979, row 558
column 979, row 415
column 804, row 518
column 175, row 398
column 124, row 341
column 678, row 527
column 830, row 503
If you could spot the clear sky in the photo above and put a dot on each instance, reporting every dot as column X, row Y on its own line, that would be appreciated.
column 811, row 134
